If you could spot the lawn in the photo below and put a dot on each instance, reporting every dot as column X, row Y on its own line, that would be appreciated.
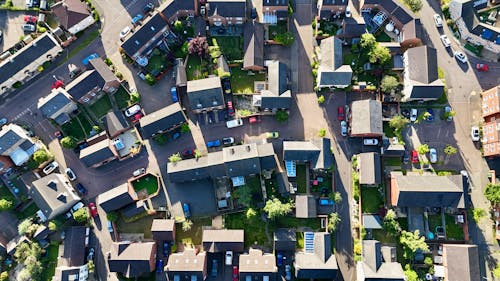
column 255, row 228
column 242, row 83
column 272, row 188
column 276, row 29
column 327, row 28
column 50, row 261
column 194, row 68
column 156, row 63
column 122, row 98
column 453, row 231
column 393, row 161
column 141, row 225
column 383, row 37
column 301, row 179
column 148, row 182
column 27, row 212
column 5, row 193
column 194, row 235
column 101, row 106
column 78, row 127
column 230, row 46
column 371, row 201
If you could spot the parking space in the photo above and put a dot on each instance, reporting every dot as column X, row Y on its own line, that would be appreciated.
column 10, row 25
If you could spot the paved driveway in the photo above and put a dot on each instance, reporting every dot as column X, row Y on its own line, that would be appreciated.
column 10, row 25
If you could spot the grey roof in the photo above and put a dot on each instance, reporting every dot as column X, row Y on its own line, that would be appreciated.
column 132, row 259
column 115, row 123
column 64, row 273
column 205, row 93
column 85, row 83
column 24, row 57
column 462, row 262
column 397, row 11
column 370, row 171
column 173, row 6
column 277, row 94
column 9, row 137
column 227, row 8
column 103, row 69
column 191, row 260
column 412, row 30
column 266, row 156
column 425, row 72
column 352, row 28
column 135, row 42
column 211, row 166
column 428, row 190
column 275, row 3
column 316, row 151
column 373, row 266
column 97, row 153
column 41, row 233
column 116, row 197
column 162, row 120
column 163, row 229
column 305, row 206
column 253, row 44
column 52, row 103
column 181, row 79
column 74, row 246
column 222, row 240
column 331, row 70
column 70, row 12
column 134, row 209
column 51, row 193
column 320, row 264
column 257, row 261
column 285, row 239
column 371, row 221
column 366, row 118
column 241, row 160
column 62, row 119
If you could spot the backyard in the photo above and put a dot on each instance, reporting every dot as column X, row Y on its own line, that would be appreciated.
column 371, row 200
column 194, row 235
column 272, row 187
column 242, row 82
column 101, row 106
column 327, row 28
column 148, row 182
column 196, row 68
column 301, row 179
column 255, row 228
column 136, row 226
column 230, row 46
column 27, row 212
column 122, row 98
column 453, row 231
column 78, row 127
column 50, row 261
column 157, row 62
column 276, row 29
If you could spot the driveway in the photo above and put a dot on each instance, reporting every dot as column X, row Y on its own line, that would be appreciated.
column 10, row 25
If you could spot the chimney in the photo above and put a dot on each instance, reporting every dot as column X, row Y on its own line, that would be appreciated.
column 248, row 148
column 231, row 150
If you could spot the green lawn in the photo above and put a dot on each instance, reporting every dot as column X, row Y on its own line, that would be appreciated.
column 156, row 63
column 230, row 46
column 301, row 179
column 242, row 83
column 27, row 212
column 371, row 200
column 194, row 235
column 383, row 37
column 101, row 106
column 148, row 182
column 50, row 261
column 453, row 230
column 141, row 225
column 327, row 28
column 194, row 68
column 393, row 161
column 5, row 193
column 254, row 228
column 272, row 188
column 122, row 98
column 79, row 127
column 276, row 29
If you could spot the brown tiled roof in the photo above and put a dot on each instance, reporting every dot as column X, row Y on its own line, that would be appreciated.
column 70, row 12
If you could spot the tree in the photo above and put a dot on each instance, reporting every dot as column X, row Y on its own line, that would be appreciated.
column 112, row 216
column 244, row 195
column 198, row 46
column 160, row 139
column 33, row 266
column 398, row 122
column 91, row 266
column 415, row 5
column 185, row 128
column 492, row 192
column 4, row 276
column 321, row 99
column 450, row 150
column 24, row 226
column 150, row 79
column 68, row 142
column 389, row 83
column 428, row 261
column 24, row 250
column 379, row 54
column 250, row 213
column 176, row 157
column 178, row 26
column 187, row 225
column 411, row 242
column 275, row 208
column 411, row 275
column 135, row 97
column 368, row 41
column 449, row 114
column 281, row 116
column 478, row 214
column 423, row 149
column 333, row 221
column 52, row 226
column 285, row 39
column 6, row 204
column 40, row 156
column 197, row 154
column 82, row 215
column 322, row 132
column 336, row 197
column 390, row 224
column 496, row 271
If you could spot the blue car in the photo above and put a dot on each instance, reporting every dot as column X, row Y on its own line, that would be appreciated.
column 166, row 249
column 430, row 118
column 136, row 19
column 214, row 143
column 176, row 136
column 187, row 212
column 280, row 259
column 159, row 266
column 173, row 92
column 86, row 60
column 81, row 188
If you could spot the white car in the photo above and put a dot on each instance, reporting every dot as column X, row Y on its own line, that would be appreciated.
column 50, row 168
column 433, row 155
column 445, row 40
column 474, row 133
column 460, row 56
column 77, row 207
column 132, row 110
column 343, row 128
column 234, row 123
column 125, row 32
column 413, row 114
column 370, row 141
column 71, row 175
column 139, row 172
column 438, row 20
column 348, row 12
column 229, row 257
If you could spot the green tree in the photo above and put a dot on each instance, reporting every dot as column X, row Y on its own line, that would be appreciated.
column 178, row 26
column 411, row 242
column 40, row 156
column 275, row 208
column 52, row 226
column 322, row 132
column 496, row 271
column 286, row 38
column 415, row 5
column 150, row 79
column 176, row 157
column 24, row 226
column 33, row 266
column 390, row 224
column 492, row 192
column 450, row 150
column 244, row 195
column 321, row 99
column 6, row 204
column 423, row 149
column 428, row 261
column 411, row 275
column 336, row 197
column 398, row 122
column 112, row 216
column 368, row 41
column 26, row 249
column 185, row 128
column 281, row 116
column 135, row 97
column 198, row 154
column 250, row 213
column 389, row 83
column 187, row 225
column 379, row 54
column 333, row 222
column 160, row 139
column 4, row 276
column 91, row 266
column 478, row 214
column 81, row 215
column 68, row 142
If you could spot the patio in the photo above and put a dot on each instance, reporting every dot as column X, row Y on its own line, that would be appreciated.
column 127, row 143
column 145, row 185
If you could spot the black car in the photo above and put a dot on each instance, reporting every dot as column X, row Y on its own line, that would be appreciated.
column 226, row 85
column 81, row 189
column 253, row 13
column 149, row 7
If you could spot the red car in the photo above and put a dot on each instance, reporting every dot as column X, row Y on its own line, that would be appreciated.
column 93, row 210
column 230, row 109
column 30, row 19
column 136, row 117
column 188, row 153
column 253, row 120
column 340, row 113
column 482, row 67
column 57, row 84
column 414, row 156
column 235, row 273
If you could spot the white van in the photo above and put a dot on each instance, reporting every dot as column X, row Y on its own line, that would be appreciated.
column 234, row 123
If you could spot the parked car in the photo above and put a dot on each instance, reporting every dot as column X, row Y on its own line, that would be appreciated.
column 280, row 259
column 132, row 110
column 340, row 113
column 235, row 273
column 159, row 266
column 57, row 84
column 139, row 172
column 234, row 123
column 460, row 56
column 227, row 140
column 173, row 93
column 90, row 256
column 343, row 128
column 77, row 206
column 125, row 31
column 50, row 168
column 253, row 120
column 445, row 40
column 406, row 157
column 176, row 135
column 214, row 143
column 438, row 20
column 30, row 19
column 272, row 135
column 188, row 153
column 433, row 155
column 430, row 115
column 214, row 268
column 166, row 249
column 93, row 209
column 136, row 117
column 110, row 227
column 288, row 272
column 71, row 175
column 348, row 12
column 136, row 19
column 230, row 108
column 202, row 11
column 148, row 7
column 414, row 157
column 474, row 133
column 58, row 135
column 28, row 27
column 370, row 142
column 81, row 188
column 226, row 85
column 187, row 211
column 229, row 257
column 253, row 13
column 3, row 121
column 413, row 114
column 482, row 67
column 86, row 60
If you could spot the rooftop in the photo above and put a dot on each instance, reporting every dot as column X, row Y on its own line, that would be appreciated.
column 190, row 260
column 366, row 118
column 257, row 261
column 53, row 192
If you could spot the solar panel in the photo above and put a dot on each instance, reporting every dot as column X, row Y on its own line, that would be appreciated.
column 309, row 242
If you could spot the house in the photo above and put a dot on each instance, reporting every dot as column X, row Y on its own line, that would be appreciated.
column 317, row 260
column 75, row 242
column 26, row 62
column 53, row 194
column 315, row 153
column 111, row 83
column 16, row 144
column 173, row 10
column 162, row 121
column 205, row 95
column 236, row 162
column 57, row 106
column 70, row 273
column 115, row 123
column 226, row 12
column 366, row 118
column 465, row 15
column 285, row 240
column 352, row 29
column 491, row 115
column 73, row 15
column 41, row 233
column 253, row 46
column 163, row 230
column 117, row 197
column 98, row 154
column 421, row 81
column 427, row 190
column 258, row 266
column 9, row 230
column 277, row 95
column 14, row 242
column 274, row 11
column 222, row 240
column 331, row 9
column 460, row 262
column 188, row 265
column 305, row 206
column 332, row 71
column 370, row 170
column 132, row 259
column 378, row 263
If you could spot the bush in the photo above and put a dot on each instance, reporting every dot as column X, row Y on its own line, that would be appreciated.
column 322, row 132
column 41, row 29
column 108, row 61
column 68, row 142
column 244, row 112
column 135, row 97
column 16, row 85
column 321, row 99
column 185, row 128
column 160, row 139
column 40, row 156
column 281, row 116
column 175, row 158
column 82, row 215
column 6, row 204
column 112, row 216
column 150, row 79
column 415, row 5
column 286, row 39
column 119, row 75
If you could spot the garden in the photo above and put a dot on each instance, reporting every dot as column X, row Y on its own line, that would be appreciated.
column 157, row 62
column 230, row 46
column 279, row 28
column 193, row 236
column 50, row 261
column 101, row 106
column 146, row 185
column 301, row 178
column 197, row 68
column 371, row 200
column 79, row 127
column 122, row 98
column 327, row 28
column 242, row 82
column 454, row 231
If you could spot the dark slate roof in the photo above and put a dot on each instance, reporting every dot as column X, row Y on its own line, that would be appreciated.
column 116, row 198
column 253, row 44
column 70, row 12
column 74, row 246
column 335, row 2
column 211, row 166
column 222, row 240
column 97, row 153
column 352, row 28
column 53, row 103
column 26, row 144
column 267, row 156
column 134, row 209
column 227, row 8
column 427, row 91
column 62, row 118
column 115, row 123
column 162, row 120
column 285, row 239
column 132, row 259
column 397, row 11
column 370, row 171
column 277, row 94
column 205, row 93
column 275, row 3
column 462, row 262
column 141, row 36
column 8, row 138
column 85, row 83
column 41, row 233
column 39, row 47
column 320, row 264
column 374, row 267
column 241, row 160
column 64, row 273
column 425, row 72
column 316, row 151
column 173, row 6
column 429, row 190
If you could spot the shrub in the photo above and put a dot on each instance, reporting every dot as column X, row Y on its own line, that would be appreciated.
column 150, row 79
column 119, row 75
column 6, row 204
column 108, row 61
column 135, row 97
column 286, row 39
column 68, row 142
column 112, row 216
column 321, row 99
column 82, row 215
column 175, row 158
column 40, row 156
column 40, row 68
column 160, row 139
column 281, row 116
column 185, row 128
column 322, row 132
